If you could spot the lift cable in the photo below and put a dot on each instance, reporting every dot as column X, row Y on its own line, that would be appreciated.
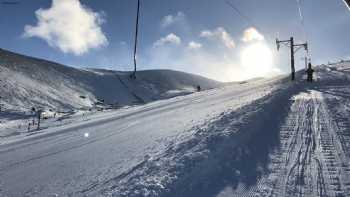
column 302, row 21
column 244, row 16
column 347, row 3
column 240, row 13
column 289, row 43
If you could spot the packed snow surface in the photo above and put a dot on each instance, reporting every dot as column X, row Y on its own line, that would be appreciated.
column 266, row 137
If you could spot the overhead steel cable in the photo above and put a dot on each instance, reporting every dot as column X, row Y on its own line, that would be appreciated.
column 347, row 3
column 245, row 17
column 302, row 21
column 240, row 13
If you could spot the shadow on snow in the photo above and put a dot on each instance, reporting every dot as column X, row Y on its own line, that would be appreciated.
column 239, row 155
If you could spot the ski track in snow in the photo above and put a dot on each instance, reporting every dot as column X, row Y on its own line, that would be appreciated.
column 311, row 161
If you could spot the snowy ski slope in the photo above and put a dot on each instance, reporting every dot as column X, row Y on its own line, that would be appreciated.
column 267, row 137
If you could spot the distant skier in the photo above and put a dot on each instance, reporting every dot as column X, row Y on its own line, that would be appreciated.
column 310, row 73
column 198, row 88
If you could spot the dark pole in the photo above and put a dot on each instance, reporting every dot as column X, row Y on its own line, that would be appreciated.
column 136, row 36
column 292, row 57
column 39, row 118
column 293, row 49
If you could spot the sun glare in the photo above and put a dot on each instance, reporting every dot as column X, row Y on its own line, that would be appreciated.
column 257, row 60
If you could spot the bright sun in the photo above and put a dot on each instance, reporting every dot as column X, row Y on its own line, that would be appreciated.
column 257, row 60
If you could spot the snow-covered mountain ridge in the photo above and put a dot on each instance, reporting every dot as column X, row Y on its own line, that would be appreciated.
column 27, row 82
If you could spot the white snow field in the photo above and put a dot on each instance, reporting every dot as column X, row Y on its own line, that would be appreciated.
column 266, row 137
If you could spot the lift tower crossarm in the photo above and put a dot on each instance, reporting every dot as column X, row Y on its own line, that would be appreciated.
column 293, row 49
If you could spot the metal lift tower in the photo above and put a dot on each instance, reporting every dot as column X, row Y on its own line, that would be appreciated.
column 293, row 49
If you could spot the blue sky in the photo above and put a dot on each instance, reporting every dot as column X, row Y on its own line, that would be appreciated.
column 199, row 36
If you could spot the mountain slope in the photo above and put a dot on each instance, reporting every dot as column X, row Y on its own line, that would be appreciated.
column 26, row 82
column 94, row 154
column 266, row 137
column 292, row 142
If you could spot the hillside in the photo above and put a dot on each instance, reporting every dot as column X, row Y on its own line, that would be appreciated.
column 266, row 137
column 262, row 137
column 27, row 82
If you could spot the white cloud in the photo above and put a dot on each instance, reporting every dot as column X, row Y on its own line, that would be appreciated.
column 69, row 26
column 207, row 34
column 169, row 39
column 252, row 34
column 194, row 45
column 172, row 19
column 219, row 34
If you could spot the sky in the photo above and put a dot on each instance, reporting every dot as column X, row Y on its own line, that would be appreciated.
column 205, row 37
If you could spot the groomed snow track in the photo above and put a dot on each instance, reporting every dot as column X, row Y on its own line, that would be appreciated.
column 311, row 160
